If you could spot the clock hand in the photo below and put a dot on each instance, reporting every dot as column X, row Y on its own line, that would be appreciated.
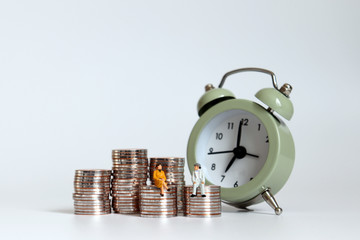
column 230, row 163
column 220, row 152
column 252, row 155
column 239, row 134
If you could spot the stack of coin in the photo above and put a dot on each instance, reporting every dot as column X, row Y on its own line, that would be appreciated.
column 92, row 189
column 209, row 206
column 154, row 205
column 180, row 200
column 174, row 172
column 173, row 168
column 130, row 170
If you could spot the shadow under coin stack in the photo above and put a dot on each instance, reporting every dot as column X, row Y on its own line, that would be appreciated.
column 209, row 206
column 92, row 189
column 153, row 205
column 130, row 170
column 174, row 171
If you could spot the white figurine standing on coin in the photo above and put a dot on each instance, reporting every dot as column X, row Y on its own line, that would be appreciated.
column 198, row 179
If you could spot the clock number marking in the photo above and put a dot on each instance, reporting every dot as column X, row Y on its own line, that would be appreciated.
column 245, row 121
column 223, row 176
column 236, row 184
column 219, row 136
column 230, row 125
column 259, row 126
column 267, row 139
column 211, row 150
column 213, row 166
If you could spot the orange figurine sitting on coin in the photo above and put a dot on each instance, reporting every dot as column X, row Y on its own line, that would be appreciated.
column 159, row 179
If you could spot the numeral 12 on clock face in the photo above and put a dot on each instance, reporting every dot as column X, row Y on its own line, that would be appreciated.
column 232, row 148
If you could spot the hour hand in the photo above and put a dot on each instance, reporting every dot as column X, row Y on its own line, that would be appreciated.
column 230, row 163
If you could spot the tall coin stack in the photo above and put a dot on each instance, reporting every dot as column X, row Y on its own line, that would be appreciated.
column 174, row 171
column 130, row 170
column 209, row 206
column 153, row 205
column 92, row 189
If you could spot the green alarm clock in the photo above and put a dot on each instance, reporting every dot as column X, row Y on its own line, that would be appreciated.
column 242, row 146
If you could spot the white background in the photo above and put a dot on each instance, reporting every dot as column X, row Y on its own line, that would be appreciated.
column 80, row 78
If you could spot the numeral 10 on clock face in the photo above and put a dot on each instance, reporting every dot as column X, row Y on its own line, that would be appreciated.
column 234, row 148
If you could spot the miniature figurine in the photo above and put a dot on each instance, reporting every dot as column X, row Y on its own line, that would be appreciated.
column 198, row 179
column 160, row 179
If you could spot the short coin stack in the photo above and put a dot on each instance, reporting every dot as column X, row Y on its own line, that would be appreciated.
column 92, row 189
column 130, row 170
column 154, row 205
column 174, row 171
column 209, row 206
column 173, row 168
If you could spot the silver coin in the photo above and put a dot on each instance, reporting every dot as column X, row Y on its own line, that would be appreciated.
column 125, row 189
column 130, row 160
column 92, row 209
column 79, row 195
column 129, row 155
column 158, row 206
column 141, row 161
column 127, row 203
column 92, row 179
column 91, row 201
column 92, row 171
column 130, row 171
column 126, row 210
column 203, row 215
column 157, row 216
column 167, row 158
column 92, row 185
column 129, row 175
column 158, row 213
column 81, row 205
column 167, row 163
column 130, row 150
column 92, row 213
column 80, row 202
column 167, row 166
column 92, row 192
column 130, row 166
column 121, row 181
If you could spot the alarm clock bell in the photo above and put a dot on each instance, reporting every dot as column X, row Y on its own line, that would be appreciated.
column 276, row 99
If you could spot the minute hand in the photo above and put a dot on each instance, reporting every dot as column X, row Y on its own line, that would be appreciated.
column 230, row 151
column 239, row 134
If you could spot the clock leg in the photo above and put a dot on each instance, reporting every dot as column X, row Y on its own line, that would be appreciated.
column 269, row 198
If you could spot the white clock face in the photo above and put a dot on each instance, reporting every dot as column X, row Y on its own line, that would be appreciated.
column 232, row 148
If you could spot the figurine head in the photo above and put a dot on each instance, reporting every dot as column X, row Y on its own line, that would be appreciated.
column 158, row 166
column 197, row 166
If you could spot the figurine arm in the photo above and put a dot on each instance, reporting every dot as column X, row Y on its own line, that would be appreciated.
column 155, row 176
column 202, row 177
